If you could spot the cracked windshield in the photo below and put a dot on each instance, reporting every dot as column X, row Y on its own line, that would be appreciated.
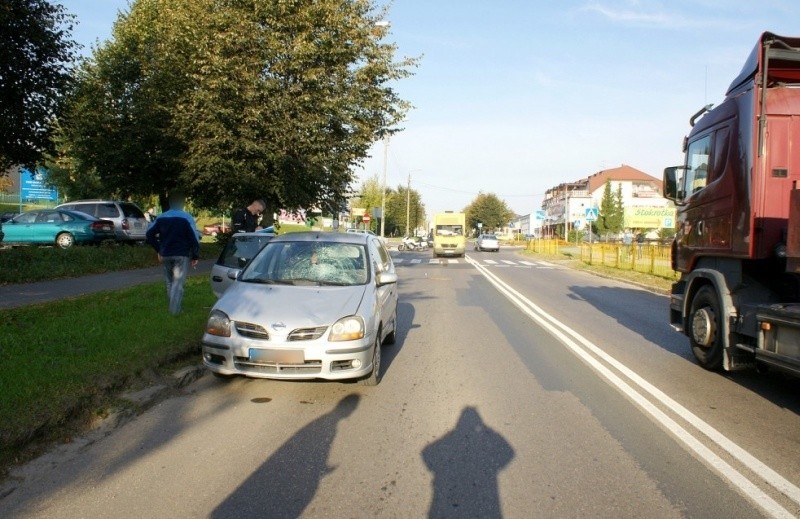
column 298, row 263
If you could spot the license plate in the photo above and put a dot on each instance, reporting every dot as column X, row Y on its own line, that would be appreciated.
column 276, row 356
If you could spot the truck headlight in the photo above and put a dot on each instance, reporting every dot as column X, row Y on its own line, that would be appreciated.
column 218, row 324
column 347, row 329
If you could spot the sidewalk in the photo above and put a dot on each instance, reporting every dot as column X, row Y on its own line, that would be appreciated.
column 12, row 296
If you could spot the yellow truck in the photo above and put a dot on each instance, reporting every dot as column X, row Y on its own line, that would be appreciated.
column 449, row 234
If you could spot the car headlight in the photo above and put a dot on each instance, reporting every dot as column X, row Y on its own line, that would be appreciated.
column 218, row 324
column 347, row 329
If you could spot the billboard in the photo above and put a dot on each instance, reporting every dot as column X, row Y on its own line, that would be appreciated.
column 32, row 186
column 649, row 218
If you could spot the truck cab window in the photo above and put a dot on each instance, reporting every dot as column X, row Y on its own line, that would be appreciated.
column 697, row 163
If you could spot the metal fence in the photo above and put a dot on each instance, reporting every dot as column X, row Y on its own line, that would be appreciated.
column 649, row 258
column 545, row 246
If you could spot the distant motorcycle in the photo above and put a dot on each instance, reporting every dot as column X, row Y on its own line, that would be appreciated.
column 412, row 244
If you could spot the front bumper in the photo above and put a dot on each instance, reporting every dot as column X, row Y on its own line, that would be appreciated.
column 297, row 360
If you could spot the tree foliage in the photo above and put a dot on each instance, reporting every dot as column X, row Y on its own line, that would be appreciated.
column 489, row 210
column 369, row 198
column 236, row 100
column 611, row 211
column 404, row 202
column 36, row 53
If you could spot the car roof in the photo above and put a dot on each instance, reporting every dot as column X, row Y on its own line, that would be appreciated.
column 319, row 236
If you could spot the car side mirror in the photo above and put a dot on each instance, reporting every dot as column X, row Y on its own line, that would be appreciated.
column 384, row 278
column 234, row 274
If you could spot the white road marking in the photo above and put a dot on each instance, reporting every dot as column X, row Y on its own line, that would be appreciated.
column 582, row 347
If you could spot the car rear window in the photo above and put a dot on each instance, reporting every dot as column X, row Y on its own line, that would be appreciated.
column 131, row 210
column 107, row 211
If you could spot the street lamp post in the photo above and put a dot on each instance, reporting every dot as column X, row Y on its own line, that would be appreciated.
column 408, row 204
column 383, row 187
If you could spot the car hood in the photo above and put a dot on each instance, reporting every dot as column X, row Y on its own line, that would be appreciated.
column 289, row 307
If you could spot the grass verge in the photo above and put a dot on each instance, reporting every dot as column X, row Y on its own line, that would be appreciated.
column 65, row 361
column 31, row 264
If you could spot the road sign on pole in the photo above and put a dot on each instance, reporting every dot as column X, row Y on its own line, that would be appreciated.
column 591, row 214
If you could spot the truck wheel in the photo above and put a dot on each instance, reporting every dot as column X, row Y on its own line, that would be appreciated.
column 704, row 329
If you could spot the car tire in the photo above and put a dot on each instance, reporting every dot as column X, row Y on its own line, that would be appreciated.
column 375, row 376
column 65, row 240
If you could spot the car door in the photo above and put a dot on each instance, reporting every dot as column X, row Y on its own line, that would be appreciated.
column 239, row 250
column 19, row 229
column 46, row 227
column 386, row 295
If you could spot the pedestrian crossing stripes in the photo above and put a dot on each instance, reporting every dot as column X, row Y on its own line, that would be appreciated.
column 485, row 262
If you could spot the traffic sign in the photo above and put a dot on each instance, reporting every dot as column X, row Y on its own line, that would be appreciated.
column 592, row 213
column 540, row 215
column 365, row 218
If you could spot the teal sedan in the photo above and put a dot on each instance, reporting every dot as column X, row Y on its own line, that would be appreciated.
column 56, row 227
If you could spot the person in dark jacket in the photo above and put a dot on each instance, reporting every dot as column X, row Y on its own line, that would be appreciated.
column 174, row 237
column 246, row 219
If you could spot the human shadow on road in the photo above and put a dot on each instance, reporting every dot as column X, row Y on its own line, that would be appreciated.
column 465, row 464
column 286, row 483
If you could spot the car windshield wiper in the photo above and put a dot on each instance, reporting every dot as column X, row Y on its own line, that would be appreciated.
column 335, row 283
column 267, row 281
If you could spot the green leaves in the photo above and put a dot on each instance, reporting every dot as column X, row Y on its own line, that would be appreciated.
column 489, row 210
column 234, row 101
column 36, row 54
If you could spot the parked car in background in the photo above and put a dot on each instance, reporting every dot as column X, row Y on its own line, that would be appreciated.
column 56, row 227
column 309, row 305
column 4, row 217
column 217, row 228
column 130, row 224
column 487, row 242
column 239, row 250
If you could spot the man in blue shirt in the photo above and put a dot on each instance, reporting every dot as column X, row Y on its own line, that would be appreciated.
column 174, row 236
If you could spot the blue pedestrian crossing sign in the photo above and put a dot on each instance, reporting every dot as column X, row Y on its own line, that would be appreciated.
column 592, row 213
column 540, row 215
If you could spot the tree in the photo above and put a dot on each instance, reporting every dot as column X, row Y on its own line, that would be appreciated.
column 232, row 101
column 368, row 198
column 401, row 202
column 489, row 210
column 610, row 218
column 36, row 54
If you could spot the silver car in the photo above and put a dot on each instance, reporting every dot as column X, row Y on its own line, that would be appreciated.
column 240, row 249
column 487, row 242
column 129, row 221
column 309, row 305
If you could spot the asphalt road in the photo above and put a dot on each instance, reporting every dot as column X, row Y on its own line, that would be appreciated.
column 516, row 389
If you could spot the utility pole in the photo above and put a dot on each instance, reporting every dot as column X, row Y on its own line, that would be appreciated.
column 408, row 204
column 383, row 188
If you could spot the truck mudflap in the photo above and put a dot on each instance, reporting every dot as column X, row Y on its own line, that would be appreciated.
column 779, row 336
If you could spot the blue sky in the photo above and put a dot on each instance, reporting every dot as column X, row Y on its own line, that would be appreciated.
column 514, row 97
